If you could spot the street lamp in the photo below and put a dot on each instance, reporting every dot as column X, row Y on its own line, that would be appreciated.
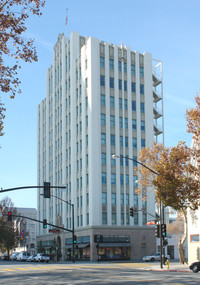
column 115, row 156
column 72, row 205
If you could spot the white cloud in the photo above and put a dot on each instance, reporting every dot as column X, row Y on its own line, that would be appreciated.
column 181, row 101
column 39, row 41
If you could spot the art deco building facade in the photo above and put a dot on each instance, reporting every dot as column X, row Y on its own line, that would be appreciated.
column 102, row 99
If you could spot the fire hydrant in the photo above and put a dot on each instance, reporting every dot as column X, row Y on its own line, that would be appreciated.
column 167, row 263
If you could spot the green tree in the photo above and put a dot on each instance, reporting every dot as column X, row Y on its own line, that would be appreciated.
column 175, row 185
column 41, row 248
column 14, row 46
column 9, row 237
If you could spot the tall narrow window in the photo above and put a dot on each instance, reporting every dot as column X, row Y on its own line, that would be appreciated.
column 133, row 87
column 103, row 100
column 121, row 141
column 125, row 85
column 103, row 158
column 142, row 89
column 104, row 198
column 103, row 138
column 112, row 120
column 113, row 178
column 122, row 198
column 112, row 140
column 102, row 80
column 111, row 82
column 120, row 66
column 113, row 198
column 132, row 69
column 103, row 178
column 134, row 143
column 142, row 125
column 133, row 105
column 103, row 119
column 111, row 63
column 141, row 71
column 120, row 84
column 134, row 124
column 125, row 104
column 125, row 67
column 120, row 103
column 120, row 122
column 142, row 143
column 126, row 123
column 112, row 101
column 102, row 61
column 141, row 107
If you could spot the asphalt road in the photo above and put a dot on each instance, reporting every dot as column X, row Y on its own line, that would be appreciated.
column 114, row 273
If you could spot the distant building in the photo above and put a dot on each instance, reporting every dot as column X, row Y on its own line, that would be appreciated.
column 102, row 99
column 27, row 228
column 193, row 233
column 173, row 238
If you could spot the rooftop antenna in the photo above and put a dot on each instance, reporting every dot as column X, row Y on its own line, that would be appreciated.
column 66, row 21
column 122, row 54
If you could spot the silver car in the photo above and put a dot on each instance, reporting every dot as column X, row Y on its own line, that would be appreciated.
column 154, row 257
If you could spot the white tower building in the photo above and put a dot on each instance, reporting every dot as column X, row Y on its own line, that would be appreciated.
column 102, row 99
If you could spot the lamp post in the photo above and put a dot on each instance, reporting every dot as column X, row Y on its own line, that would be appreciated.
column 72, row 205
column 161, row 213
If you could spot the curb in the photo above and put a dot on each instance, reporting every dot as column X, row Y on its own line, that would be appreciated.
column 171, row 270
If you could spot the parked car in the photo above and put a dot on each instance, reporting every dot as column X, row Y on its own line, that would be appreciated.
column 22, row 256
column 42, row 257
column 31, row 258
column 154, row 257
column 195, row 266
column 13, row 256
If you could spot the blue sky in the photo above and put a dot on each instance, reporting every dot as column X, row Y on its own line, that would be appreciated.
column 169, row 30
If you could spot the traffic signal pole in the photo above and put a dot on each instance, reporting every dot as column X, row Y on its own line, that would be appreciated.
column 161, row 208
column 73, row 231
column 161, row 240
column 72, row 205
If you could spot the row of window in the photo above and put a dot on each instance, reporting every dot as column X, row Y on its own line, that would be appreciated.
column 122, row 199
column 124, row 179
column 114, row 219
column 112, row 103
column 112, row 83
column 123, row 161
column 111, row 66
column 112, row 141
column 112, row 122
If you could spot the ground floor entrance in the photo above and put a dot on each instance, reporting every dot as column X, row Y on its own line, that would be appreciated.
column 100, row 244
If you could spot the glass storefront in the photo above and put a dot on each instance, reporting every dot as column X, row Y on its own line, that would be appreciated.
column 114, row 253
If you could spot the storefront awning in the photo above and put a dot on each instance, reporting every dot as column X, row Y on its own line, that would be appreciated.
column 117, row 244
column 81, row 245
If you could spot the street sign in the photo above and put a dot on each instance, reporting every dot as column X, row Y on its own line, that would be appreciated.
column 21, row 233
column 150, row 223
column 54, row 231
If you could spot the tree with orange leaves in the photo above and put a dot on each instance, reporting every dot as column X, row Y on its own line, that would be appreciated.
column 175, row 183
column 13, row 18
column 193, row 127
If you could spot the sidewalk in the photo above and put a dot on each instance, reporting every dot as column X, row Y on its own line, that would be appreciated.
column 173, row 266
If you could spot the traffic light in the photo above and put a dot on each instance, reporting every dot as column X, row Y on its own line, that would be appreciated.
column 74, row 239
column 95, row 238
column 45, row 223
column 157, row 230
column 9, row 216
column 163, row 231
column 131, row 212
column 47, row 193
column 165, row 242
column 101, row 238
